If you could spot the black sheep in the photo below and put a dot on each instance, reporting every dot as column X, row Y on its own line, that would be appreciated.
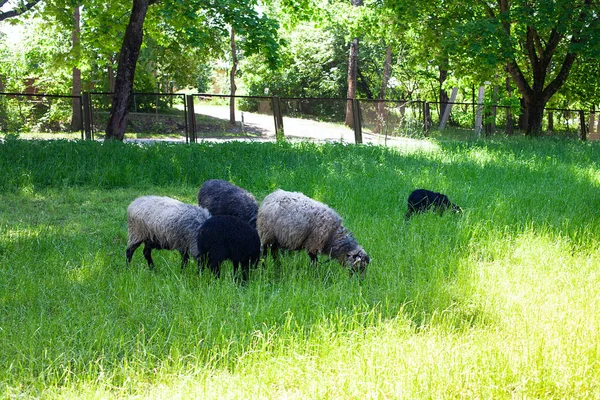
column 225, row 237
column 220, row 197
column 422, row 200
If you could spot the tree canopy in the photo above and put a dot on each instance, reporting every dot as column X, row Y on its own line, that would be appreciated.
column 548, row 50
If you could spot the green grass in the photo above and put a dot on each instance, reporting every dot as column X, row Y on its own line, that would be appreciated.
column 501, row 302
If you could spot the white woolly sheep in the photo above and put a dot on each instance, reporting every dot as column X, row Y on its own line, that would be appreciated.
column 220, row 197
column 225, row 237
column 293, row 221
column 164, row 223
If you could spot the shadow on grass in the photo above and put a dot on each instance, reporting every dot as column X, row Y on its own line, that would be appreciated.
column 213, row 127
column 63, row 243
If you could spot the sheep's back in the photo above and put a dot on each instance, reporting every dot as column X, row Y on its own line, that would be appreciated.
column 296, row 221
column 220, row 197
column 168, row 223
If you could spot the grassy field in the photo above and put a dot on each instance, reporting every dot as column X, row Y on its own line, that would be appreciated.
column 500, row 302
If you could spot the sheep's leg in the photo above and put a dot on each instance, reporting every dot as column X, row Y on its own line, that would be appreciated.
column 275, row 253
column 244, row 267
column 185, row 258
column 313, row 259
column 130, row 250
column 148, row 254
column 214, row 266
column 202, row 261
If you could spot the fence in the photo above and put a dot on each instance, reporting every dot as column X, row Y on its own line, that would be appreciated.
column 41, row 113
column 209, row 117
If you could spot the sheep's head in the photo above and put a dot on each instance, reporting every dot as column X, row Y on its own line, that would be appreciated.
column 348, row 252
column 357, row 261
column 456, row 209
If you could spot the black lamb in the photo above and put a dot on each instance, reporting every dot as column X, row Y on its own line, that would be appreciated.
column 422, row 200
column 225, row 237
column 220, row 197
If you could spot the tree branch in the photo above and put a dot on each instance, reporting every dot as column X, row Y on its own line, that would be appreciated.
column 553, row 42
column 538, row 43
column 530, row 47
column 17, row 10
column 565, row 68
column 519, row 79
column 504, row 11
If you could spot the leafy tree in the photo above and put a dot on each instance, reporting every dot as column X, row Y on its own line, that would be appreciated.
column 130, row 50
column 539, row 42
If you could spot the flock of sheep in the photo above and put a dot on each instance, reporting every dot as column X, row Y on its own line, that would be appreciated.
column 228, row 224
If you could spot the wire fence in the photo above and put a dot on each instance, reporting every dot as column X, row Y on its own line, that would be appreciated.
column 202, row 117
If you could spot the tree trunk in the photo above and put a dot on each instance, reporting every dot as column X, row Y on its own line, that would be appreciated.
column 234, row 65
column 524, row 117
column 76, row 122
column 111, row 75
column 535, row 115
column 352, row 74
column 509, row 116
column 443, row 93
column 130, row 50
column 384, row 82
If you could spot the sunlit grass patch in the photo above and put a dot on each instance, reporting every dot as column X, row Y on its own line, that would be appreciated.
column 498, row 302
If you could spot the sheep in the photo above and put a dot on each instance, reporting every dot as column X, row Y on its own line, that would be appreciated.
column 422, row 200
column 225, row 237
column 220, row 197
column 164, row 223
column 293, row 221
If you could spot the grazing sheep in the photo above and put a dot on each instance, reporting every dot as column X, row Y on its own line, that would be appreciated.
column 224, row 198
column 164, row 223
column 293, row 221
column 225, row 237
column 422, row 200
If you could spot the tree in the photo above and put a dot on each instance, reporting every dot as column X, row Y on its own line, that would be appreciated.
column 352, row 73
column 76, row 122
column 234, row 66
column 130, row 50
column 539, row 42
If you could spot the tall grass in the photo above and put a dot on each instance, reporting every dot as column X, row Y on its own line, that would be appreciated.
column 500, row 302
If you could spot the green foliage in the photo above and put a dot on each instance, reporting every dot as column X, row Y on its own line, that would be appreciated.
column 310, row 67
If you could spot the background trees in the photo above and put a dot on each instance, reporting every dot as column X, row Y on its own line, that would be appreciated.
column 543, row 52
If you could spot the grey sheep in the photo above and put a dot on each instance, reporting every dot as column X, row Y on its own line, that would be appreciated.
column 293, row 221
column 225, row 237
column 220, row 197
column 164, row 223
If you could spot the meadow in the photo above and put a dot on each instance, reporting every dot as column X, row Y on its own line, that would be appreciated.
column 499, row 302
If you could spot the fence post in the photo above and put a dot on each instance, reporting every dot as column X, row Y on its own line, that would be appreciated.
column 479, row 114
column 356, row 121
column 582, row 125
column 87, row 114
column 191, row 117
column 81, row 127
column 278, row 117
column 426, row 112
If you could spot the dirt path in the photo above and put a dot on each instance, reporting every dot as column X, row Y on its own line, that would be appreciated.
column 261, row 127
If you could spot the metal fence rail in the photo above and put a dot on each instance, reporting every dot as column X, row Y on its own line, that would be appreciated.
column 40, row 112
column 204, row 117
